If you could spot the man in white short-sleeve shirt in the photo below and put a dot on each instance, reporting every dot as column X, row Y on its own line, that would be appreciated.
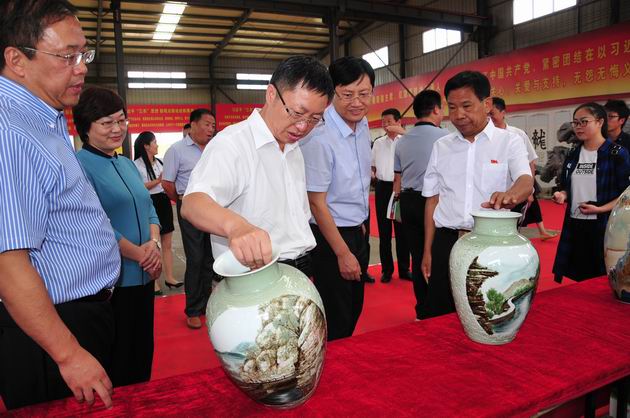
column 248, row 189
column 477, row 166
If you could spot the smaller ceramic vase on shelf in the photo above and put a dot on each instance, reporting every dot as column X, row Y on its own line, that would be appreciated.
column 617, row 248
column 494, row 274
column 268, row 328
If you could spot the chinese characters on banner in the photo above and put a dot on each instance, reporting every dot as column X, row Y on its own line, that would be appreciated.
column 228, row 114
column 154, row 118
column 593, row 65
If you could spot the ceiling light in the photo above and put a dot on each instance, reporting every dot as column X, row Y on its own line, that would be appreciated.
column 174, row 8
column 162, row 36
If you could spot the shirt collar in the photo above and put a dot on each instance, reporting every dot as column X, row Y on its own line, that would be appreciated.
column 342, row 126
column 98, row 152
column 422, row 123
column 23, row 96
column 487, row 132
column 262, row 134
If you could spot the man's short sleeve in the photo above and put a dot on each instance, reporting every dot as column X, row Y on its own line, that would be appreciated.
column 220, row 172
column 397, row 165
column 431, row 185
column 517, row 159
column 318, row 163
column 24, row 208
column 170, row 164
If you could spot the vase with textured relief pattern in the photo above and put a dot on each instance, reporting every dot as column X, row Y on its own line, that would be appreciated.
column 494, row 273
column 268, row 328
column 617, row 248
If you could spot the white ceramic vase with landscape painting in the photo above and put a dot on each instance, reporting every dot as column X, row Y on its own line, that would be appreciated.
column 617, row 248
column 494, row 273
column 268, row 328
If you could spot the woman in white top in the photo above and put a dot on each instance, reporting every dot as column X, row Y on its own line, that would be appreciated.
column 150, row 168
column 595, row 173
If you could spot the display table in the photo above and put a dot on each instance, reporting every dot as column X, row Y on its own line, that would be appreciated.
column 575, row 340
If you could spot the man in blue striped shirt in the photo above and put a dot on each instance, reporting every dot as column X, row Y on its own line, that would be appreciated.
column 58, row 254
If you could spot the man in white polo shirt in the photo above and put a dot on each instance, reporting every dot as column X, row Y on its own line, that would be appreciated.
column 248, row 189
column 476, row 166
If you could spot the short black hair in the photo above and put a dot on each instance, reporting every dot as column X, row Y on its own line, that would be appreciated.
column 391, row 111
column 347, row 70
column 473, row 79
column 620, row 107
column 499, row 103
column 196, row 114
column 305, row 72
column 95, row 103
column 23, row 22
column 598, row 112
column 425, row 102
column 187, row 126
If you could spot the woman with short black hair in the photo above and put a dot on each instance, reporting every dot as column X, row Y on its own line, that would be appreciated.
column 101, row 121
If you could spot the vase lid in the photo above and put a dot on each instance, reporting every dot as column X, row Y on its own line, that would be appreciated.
column 495, row 214
column 227, row 265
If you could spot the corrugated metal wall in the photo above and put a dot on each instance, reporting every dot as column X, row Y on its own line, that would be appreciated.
column 593, row 14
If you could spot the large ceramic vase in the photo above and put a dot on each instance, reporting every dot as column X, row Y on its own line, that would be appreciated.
column 494, row 274
column 617, row 248
column 268, row 329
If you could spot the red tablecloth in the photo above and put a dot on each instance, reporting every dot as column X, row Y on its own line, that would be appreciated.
column 575, row 339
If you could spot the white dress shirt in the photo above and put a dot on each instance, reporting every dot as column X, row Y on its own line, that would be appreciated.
column 531, row 152
column 383, row 157
column 244, row 170
column 465, row 174
column 157, row 170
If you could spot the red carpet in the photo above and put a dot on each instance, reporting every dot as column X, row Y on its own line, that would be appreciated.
column 179, row 350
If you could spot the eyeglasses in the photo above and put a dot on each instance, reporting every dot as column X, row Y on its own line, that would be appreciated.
column 582, row 122
column 613, row 116
column 72, row 60
column 297, row 117
column 348, row 97
column 109, row 124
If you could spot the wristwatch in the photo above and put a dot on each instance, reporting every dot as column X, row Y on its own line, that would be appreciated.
column 157, row 243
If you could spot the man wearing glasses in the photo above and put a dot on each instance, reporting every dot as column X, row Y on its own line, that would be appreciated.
column 248, row 189
column 59, row 258
column 338, row 170
column 618, row 112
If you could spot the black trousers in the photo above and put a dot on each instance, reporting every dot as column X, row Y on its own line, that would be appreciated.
column 133, row 346
column 343, row 299
column 439, row 295
column 28, row 375
column 382, row 194
column 199, row 273
column 412, row 216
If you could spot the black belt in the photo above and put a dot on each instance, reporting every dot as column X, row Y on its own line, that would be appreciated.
column 300, row 263
column 102, row 295
column 410, row 190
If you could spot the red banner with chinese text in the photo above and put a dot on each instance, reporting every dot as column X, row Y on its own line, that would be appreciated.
column 154, row 118
column 593, row 65
column 228, row 114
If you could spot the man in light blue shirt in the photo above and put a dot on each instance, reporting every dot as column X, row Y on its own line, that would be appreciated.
column 58, row 255
column 179, row 161
column 337, row 158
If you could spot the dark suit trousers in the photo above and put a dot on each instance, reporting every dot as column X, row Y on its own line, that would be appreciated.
column 133, row 346
column 199, row 273
column 439, row 294
column 343, row 299
column 412, row 215
column 28, row 375
column 382, row 194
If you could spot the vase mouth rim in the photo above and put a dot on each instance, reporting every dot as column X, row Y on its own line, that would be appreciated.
column 227, row 265
column 495, row 214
